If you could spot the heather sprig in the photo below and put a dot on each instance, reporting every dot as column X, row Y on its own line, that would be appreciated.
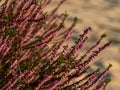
column 34, row 54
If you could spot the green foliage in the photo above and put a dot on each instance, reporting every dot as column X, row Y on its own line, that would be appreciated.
column 11, row 32
column 70, row 88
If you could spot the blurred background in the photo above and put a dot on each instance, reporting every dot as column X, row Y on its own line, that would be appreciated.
column 103, row 16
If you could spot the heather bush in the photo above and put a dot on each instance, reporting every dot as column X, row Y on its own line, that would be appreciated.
column 34, row 54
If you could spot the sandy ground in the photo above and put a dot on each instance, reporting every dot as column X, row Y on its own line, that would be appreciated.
column 104, row 17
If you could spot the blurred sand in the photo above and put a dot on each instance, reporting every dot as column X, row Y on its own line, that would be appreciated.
column 104, row 17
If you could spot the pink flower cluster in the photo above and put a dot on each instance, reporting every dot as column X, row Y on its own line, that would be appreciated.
column 34, row 54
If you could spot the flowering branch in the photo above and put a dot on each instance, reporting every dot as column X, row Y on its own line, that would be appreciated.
column 31, row 59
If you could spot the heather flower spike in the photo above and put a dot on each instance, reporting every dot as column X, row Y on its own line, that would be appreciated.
column 34, row 54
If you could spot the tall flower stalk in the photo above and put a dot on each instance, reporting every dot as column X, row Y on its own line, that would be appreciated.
column 32, row 57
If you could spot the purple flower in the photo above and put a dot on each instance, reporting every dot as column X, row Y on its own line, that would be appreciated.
column 34, row 54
